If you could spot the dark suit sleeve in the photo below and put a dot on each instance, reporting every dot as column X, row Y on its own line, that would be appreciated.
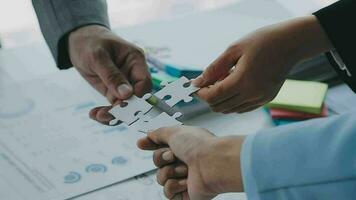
column 58, row 18
column 338, row 21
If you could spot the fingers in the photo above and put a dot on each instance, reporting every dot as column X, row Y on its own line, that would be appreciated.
column 231, row 94
column 140, row 76
column 142, row 87
column 221, row 90
column 163, row 156
column 147, row 144
column 157, row 139
column 162, row 136
column 115, row 67
column 101, row 114
column 227, row 104
column 174, row 187
column 171, row 172
column 181, row 196
column 220, row 68
column 234, row 105
column 111, row 76
column 247, row 107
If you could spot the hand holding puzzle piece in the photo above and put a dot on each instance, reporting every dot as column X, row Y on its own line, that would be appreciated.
column 134, row 110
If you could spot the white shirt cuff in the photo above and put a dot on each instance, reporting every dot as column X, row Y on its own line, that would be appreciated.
column 340, row 62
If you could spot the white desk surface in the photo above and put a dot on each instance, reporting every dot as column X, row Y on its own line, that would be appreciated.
column 30, row 61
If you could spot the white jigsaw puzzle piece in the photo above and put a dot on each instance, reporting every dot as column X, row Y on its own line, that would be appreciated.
column 162, row 120
column 179, row 90
column 131, row 110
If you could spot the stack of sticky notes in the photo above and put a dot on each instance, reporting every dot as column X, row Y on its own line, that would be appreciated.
column 299, row 100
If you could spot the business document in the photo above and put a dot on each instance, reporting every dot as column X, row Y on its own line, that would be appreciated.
column 50, row 149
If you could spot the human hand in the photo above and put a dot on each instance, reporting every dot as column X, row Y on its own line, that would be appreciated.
column 251, row 72
column 193, row 163
column 115, row 67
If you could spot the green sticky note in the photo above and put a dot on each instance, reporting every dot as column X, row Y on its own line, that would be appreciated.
column 302, row 96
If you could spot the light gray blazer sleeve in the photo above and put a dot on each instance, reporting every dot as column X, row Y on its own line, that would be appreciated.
column 58, row 18
column 309, row 160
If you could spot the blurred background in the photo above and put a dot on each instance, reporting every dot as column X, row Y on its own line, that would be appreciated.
column 18, row 24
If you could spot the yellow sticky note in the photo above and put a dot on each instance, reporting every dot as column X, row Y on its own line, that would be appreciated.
column 302, row 96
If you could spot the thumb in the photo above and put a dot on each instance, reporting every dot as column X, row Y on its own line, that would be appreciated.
column 114, row 80
column 220, row 68
column 173, row 138
column 162, row 136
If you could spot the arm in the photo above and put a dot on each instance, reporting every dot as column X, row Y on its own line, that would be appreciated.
column 338, row 22
column 77, row 32
column 250, row 72
column 311, row 160
column 58, row 18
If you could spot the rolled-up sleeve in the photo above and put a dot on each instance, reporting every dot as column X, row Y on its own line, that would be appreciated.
column 309, row 160
column 58, row 18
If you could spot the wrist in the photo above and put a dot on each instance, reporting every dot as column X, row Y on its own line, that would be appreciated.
column 80, row 34
column 88, row 30
column 307, row 38
column 229, row 149
column 80, row 39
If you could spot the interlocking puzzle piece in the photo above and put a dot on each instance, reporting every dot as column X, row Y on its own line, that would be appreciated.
column 162, row 120
column 177, row 91
column 130, row 110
